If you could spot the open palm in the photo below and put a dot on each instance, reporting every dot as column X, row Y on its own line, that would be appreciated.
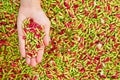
column 39, row 17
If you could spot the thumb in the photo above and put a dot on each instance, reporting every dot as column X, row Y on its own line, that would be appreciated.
column 46, row 24
column 46, row 38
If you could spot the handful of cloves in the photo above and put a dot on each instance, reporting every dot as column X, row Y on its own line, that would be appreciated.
column 33, row 36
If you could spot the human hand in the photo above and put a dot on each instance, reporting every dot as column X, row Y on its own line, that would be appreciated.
column 38, row 15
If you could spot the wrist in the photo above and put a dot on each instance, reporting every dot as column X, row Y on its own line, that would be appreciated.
column 30, row 4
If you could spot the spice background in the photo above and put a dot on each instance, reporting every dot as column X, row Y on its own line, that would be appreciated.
column 85, row 41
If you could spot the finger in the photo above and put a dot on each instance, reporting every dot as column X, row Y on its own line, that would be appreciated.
column 28, row 60
column 20, row 34
column 40, row 54
column 46, row 38
column 33, row 62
